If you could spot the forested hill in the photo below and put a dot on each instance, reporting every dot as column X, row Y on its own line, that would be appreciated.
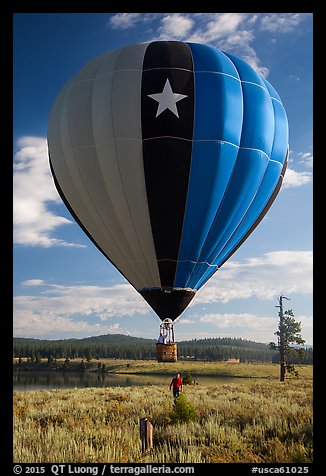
column 126, row 347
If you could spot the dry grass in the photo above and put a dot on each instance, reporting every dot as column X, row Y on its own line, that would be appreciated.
column 248, row 422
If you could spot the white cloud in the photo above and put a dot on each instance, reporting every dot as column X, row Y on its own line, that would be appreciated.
column 264, row 277
column 244, row 325
column 296, row 179
column 216, row 26
column 232, row 32
column 233, row 320
column 175, row 26
column 33, row 191
column 282, row 22
column 43, row 326
column 306, row 159
column 72, row 309
column 124, row 20
column 249, row 326
column 33, row 282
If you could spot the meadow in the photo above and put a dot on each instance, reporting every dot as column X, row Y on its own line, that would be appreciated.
column 245, row 421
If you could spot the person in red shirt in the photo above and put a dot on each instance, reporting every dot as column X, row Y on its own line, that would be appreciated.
column 177, row 385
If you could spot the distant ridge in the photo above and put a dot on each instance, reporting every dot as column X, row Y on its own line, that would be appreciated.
column 128, row 347
column 105, row 338
column 122, row 338
column 126, row 339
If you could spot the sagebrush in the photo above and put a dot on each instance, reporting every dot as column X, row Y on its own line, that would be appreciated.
column 249, row 422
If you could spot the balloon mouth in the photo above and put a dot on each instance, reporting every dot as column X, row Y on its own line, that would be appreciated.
column 168, row 302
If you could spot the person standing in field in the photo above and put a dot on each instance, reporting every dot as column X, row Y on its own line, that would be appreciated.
column 177, row 385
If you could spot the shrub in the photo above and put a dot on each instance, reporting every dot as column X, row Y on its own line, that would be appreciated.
column 183, row 410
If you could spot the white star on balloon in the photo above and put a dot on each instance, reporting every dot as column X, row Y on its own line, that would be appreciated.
column 167, row 99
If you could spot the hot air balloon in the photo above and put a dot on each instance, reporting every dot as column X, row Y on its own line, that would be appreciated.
column 168, row 154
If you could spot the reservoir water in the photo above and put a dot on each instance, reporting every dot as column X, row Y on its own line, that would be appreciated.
column 24, row 381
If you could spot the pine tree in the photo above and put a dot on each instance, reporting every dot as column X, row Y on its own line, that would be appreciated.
column 289, row 332
column 183, row 410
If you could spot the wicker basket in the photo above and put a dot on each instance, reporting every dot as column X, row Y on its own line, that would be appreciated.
column 166, row 352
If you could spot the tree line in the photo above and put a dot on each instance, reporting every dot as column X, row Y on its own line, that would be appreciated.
column 133, row 348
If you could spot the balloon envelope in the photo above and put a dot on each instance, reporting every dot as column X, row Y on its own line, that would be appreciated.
column 168, row 155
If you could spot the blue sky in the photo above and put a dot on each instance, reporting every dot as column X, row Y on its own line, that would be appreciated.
column 63, row 286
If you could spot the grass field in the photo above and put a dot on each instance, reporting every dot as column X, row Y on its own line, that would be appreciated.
column 249, row 421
